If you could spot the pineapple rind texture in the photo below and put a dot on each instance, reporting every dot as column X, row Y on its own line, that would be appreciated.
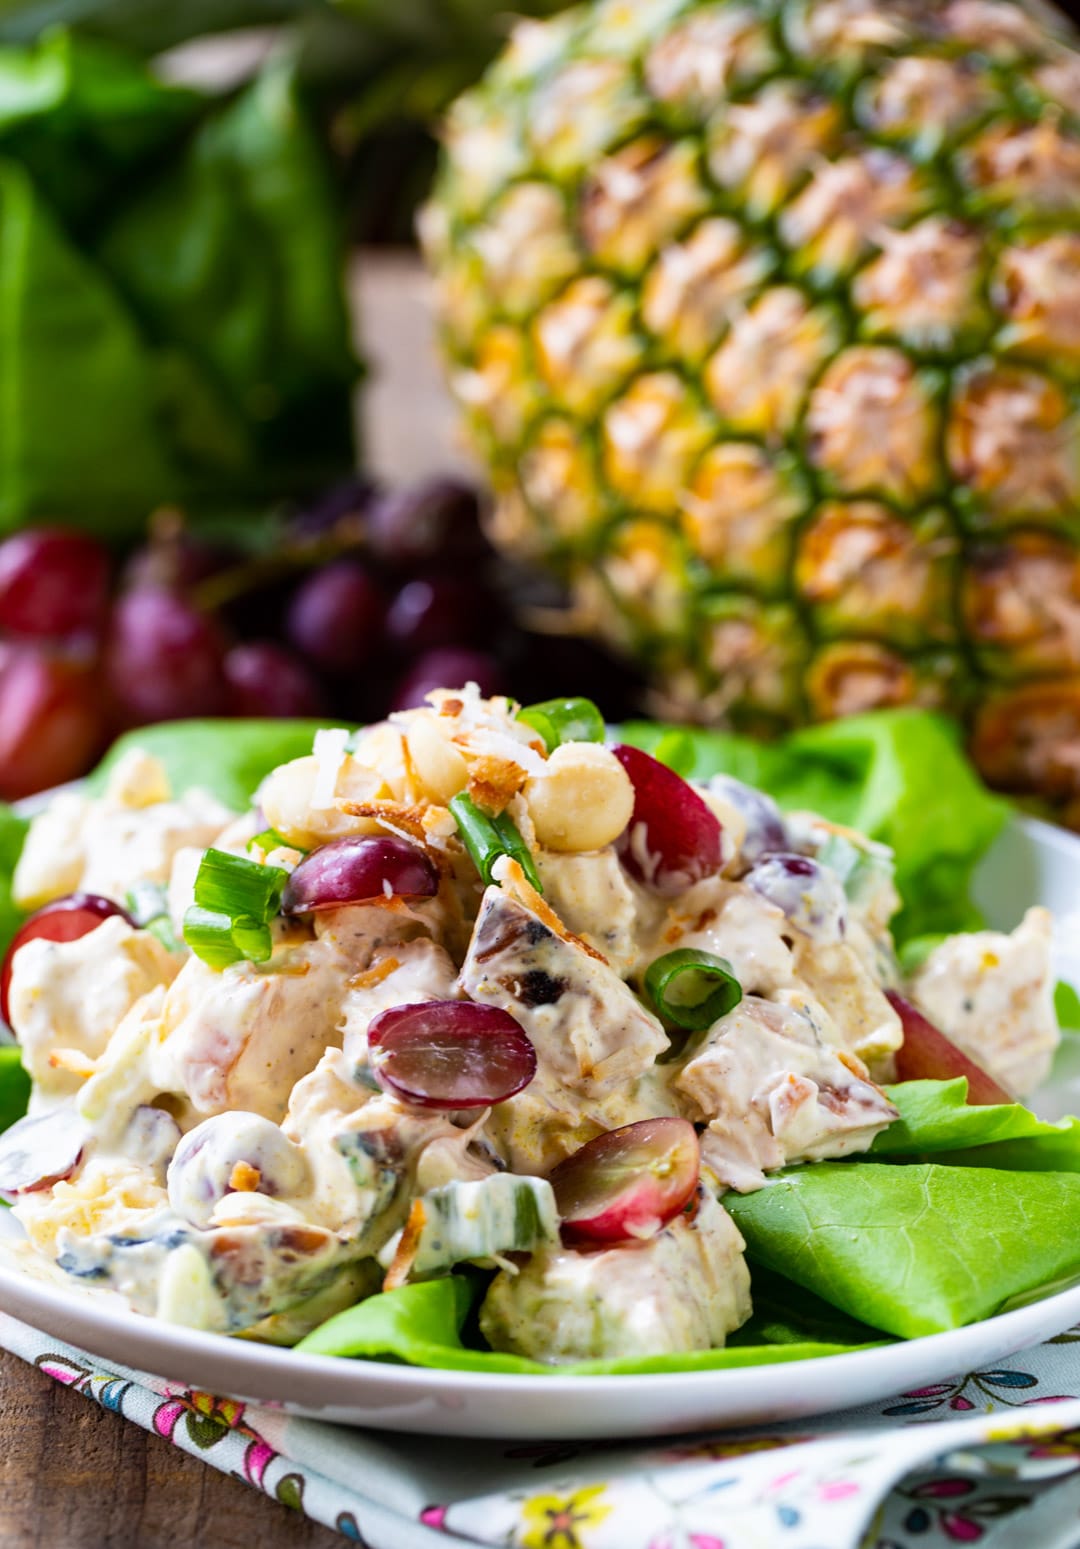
column 765, row 315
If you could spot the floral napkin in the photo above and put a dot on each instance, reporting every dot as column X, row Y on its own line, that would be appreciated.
column 989, row 1458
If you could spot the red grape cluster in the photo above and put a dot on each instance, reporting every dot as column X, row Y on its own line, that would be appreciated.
column 366, row 601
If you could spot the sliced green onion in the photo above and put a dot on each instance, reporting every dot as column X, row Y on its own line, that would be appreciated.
column 161, row 927
column 693, row 989
column 517, row 849
column 221, row 940
column 209, row 935
column 252, row 939
column 229, row 884
column 564, row 720
column 145, row 902
column 676, row 750
column 269, row 840
column 478, row 834
column 486, row 839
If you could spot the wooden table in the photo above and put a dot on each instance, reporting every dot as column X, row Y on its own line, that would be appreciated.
column 73, row 1475
column 76, row 1476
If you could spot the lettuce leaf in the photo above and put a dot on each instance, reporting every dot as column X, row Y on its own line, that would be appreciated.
column 12, row 832
column 227, row 758
column 788, row 1314
column 422, row 1325
column 900, row 776
column 14, row 1086
column 935, row 1118
column 915, row 1249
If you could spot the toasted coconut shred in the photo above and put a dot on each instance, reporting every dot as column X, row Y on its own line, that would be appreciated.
column 331, row 751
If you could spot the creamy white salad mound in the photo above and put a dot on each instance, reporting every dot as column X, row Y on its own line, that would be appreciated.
column 502, row 1051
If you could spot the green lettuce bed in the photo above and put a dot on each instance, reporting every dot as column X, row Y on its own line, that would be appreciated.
column 955, row 1214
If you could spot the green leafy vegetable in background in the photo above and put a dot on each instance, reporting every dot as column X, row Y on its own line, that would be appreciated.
column 914, row 1249
column 228, row 758
column 12, row 832
column 422, row 1323
column 172, row 315
column 899, row 776
column 934, row 1118
column 1066, row 1005
column 14, row 1087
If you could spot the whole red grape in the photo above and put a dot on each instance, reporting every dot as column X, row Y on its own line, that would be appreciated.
column 164, row 660
column 336, row 616
column 51, row 720
column 435, row 520
column 266, row 679
column 439, row 611
column 175, row 560
column 54, row 583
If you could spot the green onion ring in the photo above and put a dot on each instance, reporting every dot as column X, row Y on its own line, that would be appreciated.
column 693, row 1005
column 564, row 720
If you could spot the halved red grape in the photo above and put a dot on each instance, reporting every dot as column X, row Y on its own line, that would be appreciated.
column 163, row 659
column 65, row 919
column 335, row 618
column 673, row 838
column 359, row 870
column 809, row 894
column 447, row 667
column 266, row 679
column 54, row 583
column 927, row 1055
column 629, row 1183
column 51, row 722
column 38, row 1151
column 450, row 1054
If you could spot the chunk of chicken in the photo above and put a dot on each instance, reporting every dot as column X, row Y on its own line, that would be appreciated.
column 769, row 954
column 733, row 922
column 366, row 1152
column 68, row 997
column 595, row 898
column 993, row 995
column 538, row 1128
column 243, row 1037
column 400, row 974
column 587, row 1026
column 106, row 844
column 860, row 1018
column 687, row 1288
column 774, row 1093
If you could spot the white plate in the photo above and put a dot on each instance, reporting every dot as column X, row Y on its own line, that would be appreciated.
column 1032, row 862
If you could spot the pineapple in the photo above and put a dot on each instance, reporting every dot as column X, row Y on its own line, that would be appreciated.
column 765, row 316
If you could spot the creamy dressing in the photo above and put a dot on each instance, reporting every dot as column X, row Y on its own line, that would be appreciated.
column 685, row 1289
column 231, row 1161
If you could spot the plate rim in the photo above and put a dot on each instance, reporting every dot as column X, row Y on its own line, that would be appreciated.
column 62, row 1305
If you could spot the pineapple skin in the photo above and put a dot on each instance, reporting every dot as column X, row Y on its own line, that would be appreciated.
column 765, row 318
